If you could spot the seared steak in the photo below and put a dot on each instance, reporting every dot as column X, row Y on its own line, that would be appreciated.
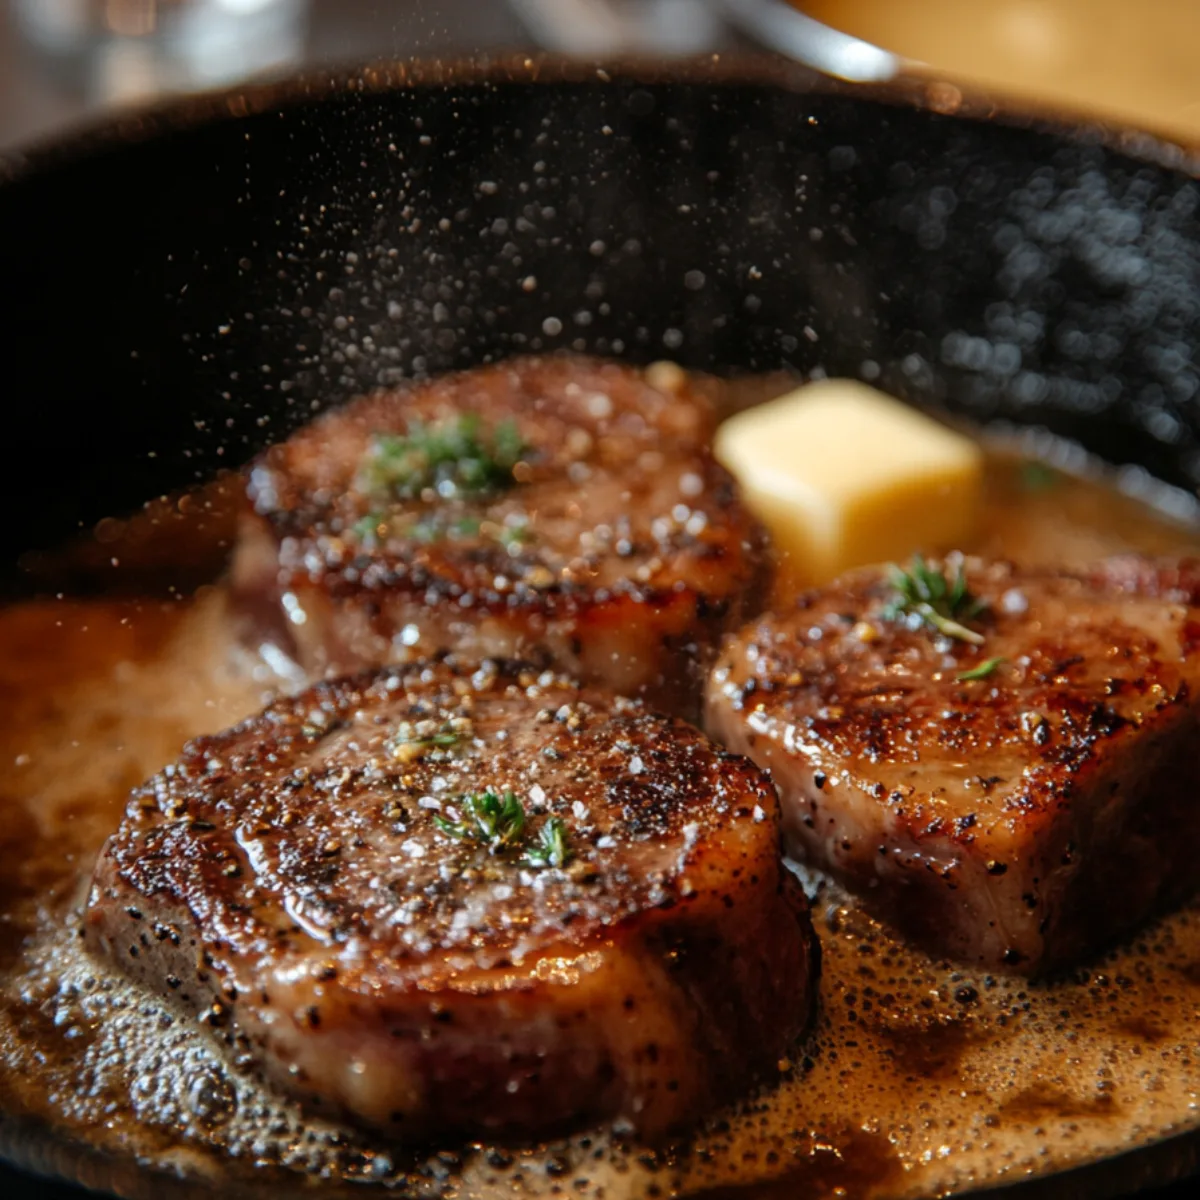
column 558, row 510
column 1021, row 817
column 479, row 900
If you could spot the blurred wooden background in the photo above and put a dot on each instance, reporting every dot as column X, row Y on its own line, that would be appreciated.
column 1135, row 60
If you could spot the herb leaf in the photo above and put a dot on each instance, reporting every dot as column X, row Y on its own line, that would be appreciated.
column 511, row 537
column 1037, row 476
column 507, row 444
column 413, row 741
column 982, row 671
column 452, row 457
column 466, row 527
column 367, row 529
column 939, row 602
column 496, row 821
column 550, row 847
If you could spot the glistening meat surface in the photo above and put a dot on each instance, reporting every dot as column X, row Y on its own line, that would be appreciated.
column 1022, row 818
column 562, row 510
column 327, row 885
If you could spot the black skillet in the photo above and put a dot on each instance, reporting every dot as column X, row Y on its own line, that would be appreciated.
column 180, row 287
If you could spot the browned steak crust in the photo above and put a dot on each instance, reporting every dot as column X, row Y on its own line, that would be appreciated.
column 615, row 547
column 304, row 882
column 1022, row 818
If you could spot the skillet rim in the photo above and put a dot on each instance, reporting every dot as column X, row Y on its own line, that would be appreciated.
column 912, row 87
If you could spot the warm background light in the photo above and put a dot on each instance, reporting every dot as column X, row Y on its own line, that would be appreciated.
column 1136, row 61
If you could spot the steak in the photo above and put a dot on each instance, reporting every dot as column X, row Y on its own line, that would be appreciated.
column 1015, row 803
column 558, row 510
column 458, row 899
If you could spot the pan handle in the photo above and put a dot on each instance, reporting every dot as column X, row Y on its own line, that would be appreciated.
column 603, row 28
column 789, row 31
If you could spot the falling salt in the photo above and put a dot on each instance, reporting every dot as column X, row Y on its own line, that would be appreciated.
column 600, row 406
column 1014, row 601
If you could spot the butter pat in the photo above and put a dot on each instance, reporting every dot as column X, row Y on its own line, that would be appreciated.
column 843, row 476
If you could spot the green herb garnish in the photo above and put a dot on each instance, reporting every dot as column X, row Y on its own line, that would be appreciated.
column 512, row 536
column 939, row 602
column 412, row 741
column 1038, row 476
column 982, row 671
column 451, row 457
column 496, row 821
column 508, row 445
column 550, row 847
column 370, row 529
column 465, row 527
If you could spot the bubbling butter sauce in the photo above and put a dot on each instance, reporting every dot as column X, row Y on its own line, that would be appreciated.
column 918, row 1077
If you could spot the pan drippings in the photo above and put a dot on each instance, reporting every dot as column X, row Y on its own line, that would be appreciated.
column 918, row 1077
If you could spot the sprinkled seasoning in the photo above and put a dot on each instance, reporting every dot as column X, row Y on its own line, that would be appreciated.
column 414, row 740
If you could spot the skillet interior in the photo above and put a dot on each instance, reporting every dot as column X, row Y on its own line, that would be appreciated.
column 235, row 261
column 181, row 291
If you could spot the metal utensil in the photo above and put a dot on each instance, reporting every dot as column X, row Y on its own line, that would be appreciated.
column 595, row 28
column 789, row 31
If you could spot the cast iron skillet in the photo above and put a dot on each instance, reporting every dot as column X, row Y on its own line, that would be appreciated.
column 181, row 287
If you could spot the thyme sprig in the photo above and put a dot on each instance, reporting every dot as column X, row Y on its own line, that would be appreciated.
column 453, row 457
column 938, row 601
column 982, row 671
column 550, row 847
column 496, row 821
column 499, row 823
